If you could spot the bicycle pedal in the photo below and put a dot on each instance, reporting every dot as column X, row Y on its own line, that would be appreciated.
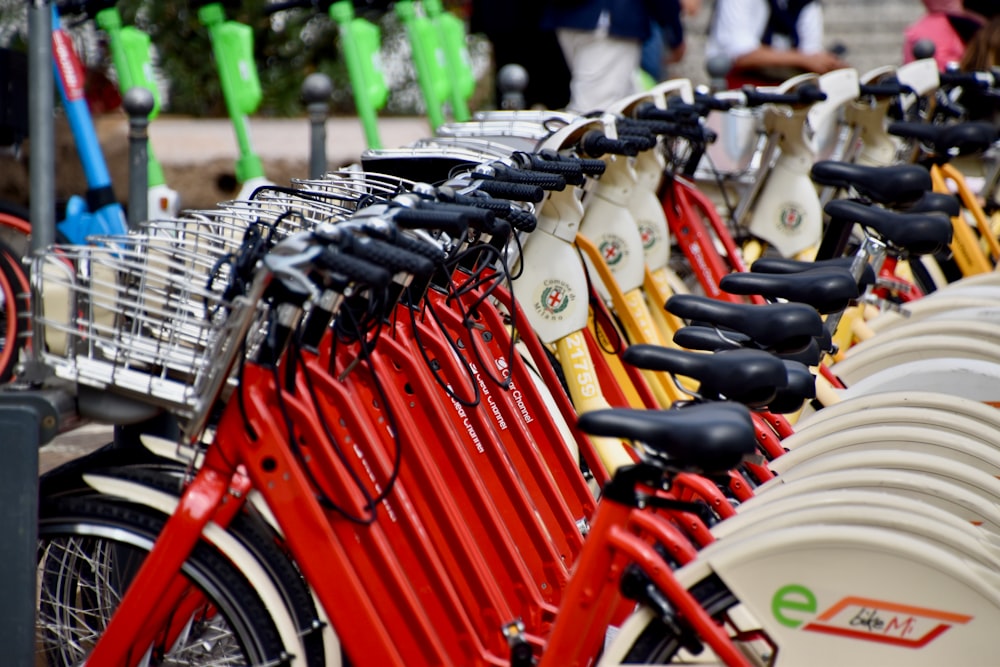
column 520, row 650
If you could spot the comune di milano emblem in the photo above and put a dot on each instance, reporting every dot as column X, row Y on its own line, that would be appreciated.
column 790, row 220
column 554, row 299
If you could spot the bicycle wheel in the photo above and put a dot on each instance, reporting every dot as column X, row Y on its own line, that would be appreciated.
column 15, row 227
column 658, row 644
column 88, row 551
column 14, row 310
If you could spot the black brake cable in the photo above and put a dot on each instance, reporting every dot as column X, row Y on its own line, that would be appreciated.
column 428, row 308
column 321, row 497
column 390, row 418
column 469, row 312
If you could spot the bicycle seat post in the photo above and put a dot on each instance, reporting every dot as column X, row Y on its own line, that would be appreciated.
column 138, row 103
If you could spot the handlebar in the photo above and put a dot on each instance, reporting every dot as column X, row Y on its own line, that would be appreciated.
column 595, row 144
column 806, row 94
column 975, row 80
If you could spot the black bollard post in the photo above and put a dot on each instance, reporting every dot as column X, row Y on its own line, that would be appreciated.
column 718, row 67
column 138, row 103
column 316, row 91
column 512, row 80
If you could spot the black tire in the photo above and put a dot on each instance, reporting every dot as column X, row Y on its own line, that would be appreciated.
column 657, row 644
column 250, row 530
column 88, row 550
column 14, row 226
column 15, row 311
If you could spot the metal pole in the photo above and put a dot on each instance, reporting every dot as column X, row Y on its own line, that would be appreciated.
column 41, row 102
column 316, row 90
column 138, row 103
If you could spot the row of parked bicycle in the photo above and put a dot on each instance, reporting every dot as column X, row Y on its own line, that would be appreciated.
column 518, row 394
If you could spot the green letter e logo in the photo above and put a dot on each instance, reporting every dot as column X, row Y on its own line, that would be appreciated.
column 792, row 597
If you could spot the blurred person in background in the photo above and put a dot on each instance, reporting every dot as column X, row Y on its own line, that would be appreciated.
column 769, row 41
column 665, row 45
column 602, row 43
column 513, row 28
column 948, row 25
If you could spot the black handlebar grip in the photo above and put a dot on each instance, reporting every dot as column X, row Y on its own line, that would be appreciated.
column 810, row 93
column 805, row 95
column 389, row 256
column 649, row 111
column 541, row 179
column 979, row 80
column 568, row 169
column 353, row 268
column 453, row 223
column 431, row 251
column 641, row 141
column 596, row 144
column 712, row 103
column 479, row 218
column 521, row 220
column 500, row 207
column 885, row 89
column 512, row 191
column 593, row 167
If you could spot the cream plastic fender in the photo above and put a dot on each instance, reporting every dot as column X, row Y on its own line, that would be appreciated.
column 867, row 122
column 787, row 212
column 947, row 532
column 608, row 223
column 841, row 86
column 946, row 494
column 247, row 189
column 981, row 483
column 552, row 287
column 641, row 181
column 874, row 358
column 988, row 315
column 943, row 325
column 647, row 210
column 850, row 591
column 925, row 307
column 991, row 278
column 162, row 203
column 941, row 422
column 968, row 289
column 844, row 412
column 234, row 551
column 747, row 512
column 984, row 456
column 920, row 75
column 970, row 378
column 805, row 585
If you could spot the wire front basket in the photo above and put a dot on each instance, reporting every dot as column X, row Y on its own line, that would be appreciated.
column 144, row 317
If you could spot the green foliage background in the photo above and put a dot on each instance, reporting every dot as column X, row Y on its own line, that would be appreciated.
column 287, row 48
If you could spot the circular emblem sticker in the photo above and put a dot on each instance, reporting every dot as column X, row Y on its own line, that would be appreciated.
column 554, row 299
column 612, row 249
column 648, row 236
column 791, row 218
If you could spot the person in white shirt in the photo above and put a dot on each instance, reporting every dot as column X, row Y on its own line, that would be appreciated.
column 768, row 41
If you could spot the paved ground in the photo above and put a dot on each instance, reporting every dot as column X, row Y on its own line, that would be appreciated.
column 179, row 140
